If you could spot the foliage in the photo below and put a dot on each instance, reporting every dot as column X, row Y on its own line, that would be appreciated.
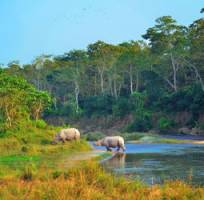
column 40, row 124
column 131, row 78
column 140, row 124
column 164, row 123
column 122, row 107
column 20, row 101
column 94, row 136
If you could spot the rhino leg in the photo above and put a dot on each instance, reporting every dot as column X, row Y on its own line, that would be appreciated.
column 108, row 148
column 118, row 146
column 63, row 140
column 123, row 148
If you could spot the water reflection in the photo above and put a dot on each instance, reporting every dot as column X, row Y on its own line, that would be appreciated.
column 155, row 163
column 116, row 161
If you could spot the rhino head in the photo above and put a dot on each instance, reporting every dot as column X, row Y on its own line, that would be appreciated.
column 56, row 139
column 98, row 143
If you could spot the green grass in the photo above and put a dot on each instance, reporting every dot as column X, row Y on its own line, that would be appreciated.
column 31, row 145
column 32, row 168
column 150, row 138
column 89, row 181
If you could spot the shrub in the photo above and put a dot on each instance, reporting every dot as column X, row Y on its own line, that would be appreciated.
column 165, row 123
column 40, row 124
column 122, row 107
column 93, row 136
column 132, row 136
column 141, row 123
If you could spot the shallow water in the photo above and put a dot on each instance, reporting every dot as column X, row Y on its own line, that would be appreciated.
column 154, row 163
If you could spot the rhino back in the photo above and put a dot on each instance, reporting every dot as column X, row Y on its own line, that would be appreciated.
column 69, row 133
column 111, row 141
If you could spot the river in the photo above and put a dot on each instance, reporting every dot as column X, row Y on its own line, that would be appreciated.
column 156, row 163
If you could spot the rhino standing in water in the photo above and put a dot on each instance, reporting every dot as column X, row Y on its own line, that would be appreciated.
column 112, row 141
column 67, row 134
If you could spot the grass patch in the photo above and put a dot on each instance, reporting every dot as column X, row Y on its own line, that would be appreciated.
column 31, row 145
column 88, row 180
column 136, row 137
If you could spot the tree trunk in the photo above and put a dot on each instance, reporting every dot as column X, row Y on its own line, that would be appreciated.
column 174, row 73
column 8, row 118
column 101, row 72
column 169, row 83
column 110, row 86
column 198, row 76
column 115, row 89
column 137, row 81
column 77, row 96
column 131, row 79
column 95, row 85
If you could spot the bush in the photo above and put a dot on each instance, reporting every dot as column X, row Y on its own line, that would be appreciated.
column 141, row 123
column 132, row 136
column 97, row 105
column 93, row 136
column 121, row 108
column 40, row 124
column 165, row 123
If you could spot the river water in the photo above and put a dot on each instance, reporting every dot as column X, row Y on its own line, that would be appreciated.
column 155, row 163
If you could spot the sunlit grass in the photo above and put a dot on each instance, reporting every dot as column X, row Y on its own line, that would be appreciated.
column 89, row 181
column 32, row 168
column 31, row 145
column 151, row 138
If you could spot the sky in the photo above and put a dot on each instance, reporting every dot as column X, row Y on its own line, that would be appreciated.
column 29, row 28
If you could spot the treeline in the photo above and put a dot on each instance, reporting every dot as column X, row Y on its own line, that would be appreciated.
column 156, row 80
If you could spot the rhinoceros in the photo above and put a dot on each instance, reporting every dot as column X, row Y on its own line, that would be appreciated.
column 67, row 134
column 111, row 141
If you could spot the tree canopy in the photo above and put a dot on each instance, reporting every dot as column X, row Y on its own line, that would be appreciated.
column 19, row 100
column 104, row 78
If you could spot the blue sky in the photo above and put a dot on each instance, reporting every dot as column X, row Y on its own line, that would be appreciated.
column 29, row 28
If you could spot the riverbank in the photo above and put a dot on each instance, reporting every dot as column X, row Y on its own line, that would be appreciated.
column 71, row 171
column 25, row 150
column 89, row 181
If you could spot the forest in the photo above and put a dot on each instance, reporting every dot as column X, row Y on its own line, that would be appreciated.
column 153, row 84
column 145, row 91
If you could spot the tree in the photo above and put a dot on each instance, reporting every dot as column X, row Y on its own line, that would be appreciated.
column 195, row 59
column 78, row 59
column 168, row 42
column 133, row 60
column 102, row 59
column 19, row 100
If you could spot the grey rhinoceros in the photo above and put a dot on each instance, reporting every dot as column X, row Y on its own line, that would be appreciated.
column 112, row 141
column 67, row 134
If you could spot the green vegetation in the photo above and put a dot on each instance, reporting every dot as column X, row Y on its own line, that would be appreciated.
column 89, row 181
column 139, row 137
column 157, row 81
column 20, row 102
column 137, row 86
column 32, row 146
column 94, row 136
